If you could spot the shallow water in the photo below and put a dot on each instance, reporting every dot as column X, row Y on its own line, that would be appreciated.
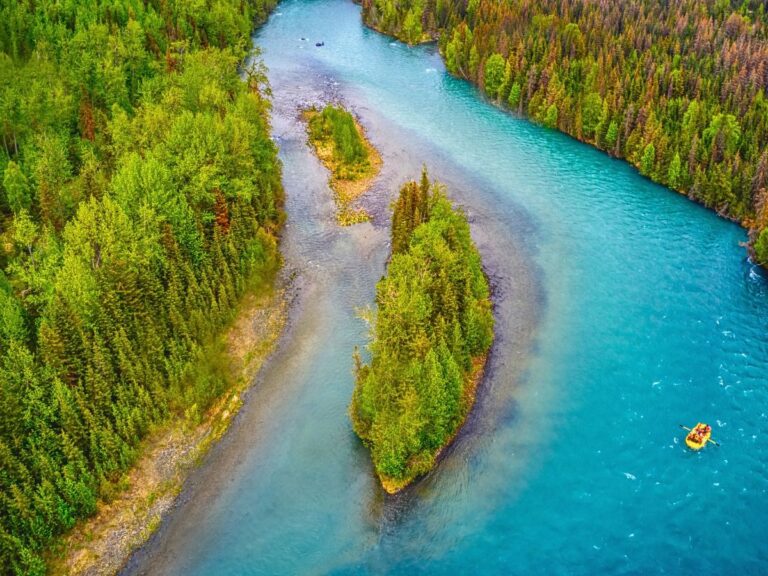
column 622, row 310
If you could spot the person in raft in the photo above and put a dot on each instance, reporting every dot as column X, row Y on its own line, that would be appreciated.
column 701, row 432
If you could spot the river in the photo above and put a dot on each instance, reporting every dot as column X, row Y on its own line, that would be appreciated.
column 623, row 309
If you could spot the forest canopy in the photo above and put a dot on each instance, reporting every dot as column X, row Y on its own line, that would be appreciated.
column 432, row 329
column 678, row 89
column 139, row 196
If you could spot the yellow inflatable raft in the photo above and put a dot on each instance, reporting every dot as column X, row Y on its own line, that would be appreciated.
column 698, row 436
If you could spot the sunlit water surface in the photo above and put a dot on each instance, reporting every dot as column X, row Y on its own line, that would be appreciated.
column 622, row 310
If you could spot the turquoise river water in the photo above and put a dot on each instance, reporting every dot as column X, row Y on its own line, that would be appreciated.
column 622, row 310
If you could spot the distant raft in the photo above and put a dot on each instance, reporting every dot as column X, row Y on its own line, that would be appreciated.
column 699, row 436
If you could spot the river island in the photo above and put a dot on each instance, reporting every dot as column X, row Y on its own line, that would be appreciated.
column 340, row 143
column 432, row 330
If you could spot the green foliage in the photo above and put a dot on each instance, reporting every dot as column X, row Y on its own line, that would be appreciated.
column 612, row 136
column 514, row 95
column 403, row 20
column 722, row 136
column 412, row 31
column 550, row 118
column 411, row 209
column 761, row 247
column 591, row 111
column 494, row 74
column 17, row 192
column 433, row 317
column 335, row 126
column 675, row 172
column 140, row 195
column 648, row 160
column 687, row 77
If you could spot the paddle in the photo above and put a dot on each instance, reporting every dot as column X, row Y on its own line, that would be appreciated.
column 708, row 439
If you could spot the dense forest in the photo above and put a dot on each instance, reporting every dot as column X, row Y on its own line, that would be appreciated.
column 139, row 195
column 678, row 89
column 433, row 326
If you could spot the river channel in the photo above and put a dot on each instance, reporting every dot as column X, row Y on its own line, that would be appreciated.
column 623, row 310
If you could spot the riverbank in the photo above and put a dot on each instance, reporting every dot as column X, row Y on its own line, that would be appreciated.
column 348, row 186
column 101, row 545
column 424, row 37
